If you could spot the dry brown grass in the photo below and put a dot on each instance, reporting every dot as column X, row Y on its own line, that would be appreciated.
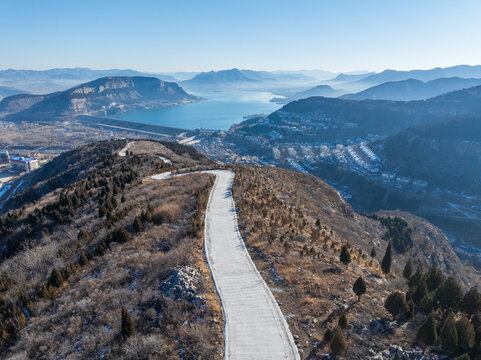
column 83, row 318
column 279, row 207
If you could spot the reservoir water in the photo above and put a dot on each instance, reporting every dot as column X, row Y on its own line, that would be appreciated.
column 218, row 112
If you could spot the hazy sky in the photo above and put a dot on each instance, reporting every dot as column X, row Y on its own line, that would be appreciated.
column 198, row 35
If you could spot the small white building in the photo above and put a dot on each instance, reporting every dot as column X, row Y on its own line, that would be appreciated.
column 292, row 152
column 276, row 153
column 23, row 163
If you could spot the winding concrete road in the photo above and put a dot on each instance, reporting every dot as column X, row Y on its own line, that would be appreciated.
column 254, row 325
column 255, row 328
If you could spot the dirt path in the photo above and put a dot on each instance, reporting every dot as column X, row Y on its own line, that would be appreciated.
column 123, row 152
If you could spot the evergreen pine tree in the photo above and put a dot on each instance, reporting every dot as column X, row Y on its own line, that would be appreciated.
column 449, row 294
column 120, row 235
column 56, row 278
column 471, row 303
column 396, row 304
column 359, row 287
column 102, row 211
column 410, row 313
column 427, row 332
column 127, row 326
column 138, row 227
column 465, row 334
column 386, row 260
column 434, row 278
column 449, row 334
column 83, row 259
column 416, row 278
column 328, row 335
column 345, row 256
column 420, row 292
column 338, row 343
column 408, row 269
column 343, row 322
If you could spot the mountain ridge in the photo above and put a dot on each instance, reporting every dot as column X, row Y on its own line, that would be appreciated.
column 413, row 89
column 336, row 120
column 112, row 94
column 463, row 71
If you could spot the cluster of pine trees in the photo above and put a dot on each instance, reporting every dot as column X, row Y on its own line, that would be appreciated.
column 398, row 232
column 453, row 318
column 18, row 231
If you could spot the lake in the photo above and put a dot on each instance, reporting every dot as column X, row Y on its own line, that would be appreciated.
column 218, row 112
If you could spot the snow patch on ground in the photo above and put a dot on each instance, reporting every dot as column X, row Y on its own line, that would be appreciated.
column 164, row 159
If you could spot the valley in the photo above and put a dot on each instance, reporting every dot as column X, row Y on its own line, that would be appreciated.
column 119, row 235
column 293, row 225
column 240, row 180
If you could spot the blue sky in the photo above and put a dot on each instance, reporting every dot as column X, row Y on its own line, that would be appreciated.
column 200, row 35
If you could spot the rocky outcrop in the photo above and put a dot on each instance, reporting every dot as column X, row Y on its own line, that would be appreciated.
column 183, row 283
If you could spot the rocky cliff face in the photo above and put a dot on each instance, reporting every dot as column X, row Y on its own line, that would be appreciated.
column 111, row 94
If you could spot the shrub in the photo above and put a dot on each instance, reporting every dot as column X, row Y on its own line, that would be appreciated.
column 338, row 343
column 127, row 326
column 396, row 303
column 345, row 256
column 359, row 287
column 427, row 332
column 120, row 235
column 373, row 252
column 386, row 260
column 84, row 235
column 463, row 357
column 146, row 216
column 343, row 322
column 449, row 334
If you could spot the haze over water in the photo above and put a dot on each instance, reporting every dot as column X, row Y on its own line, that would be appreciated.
column 218, row 112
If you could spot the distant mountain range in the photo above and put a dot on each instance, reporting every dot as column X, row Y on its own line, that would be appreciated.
column 462, row 71
column 222, row 77
column 276, row 76
column 72, row 74
column 112, row 94
column 8, row 91
column 412, row 89
column 351, row 77
column 319, row 90
column 245, row 78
